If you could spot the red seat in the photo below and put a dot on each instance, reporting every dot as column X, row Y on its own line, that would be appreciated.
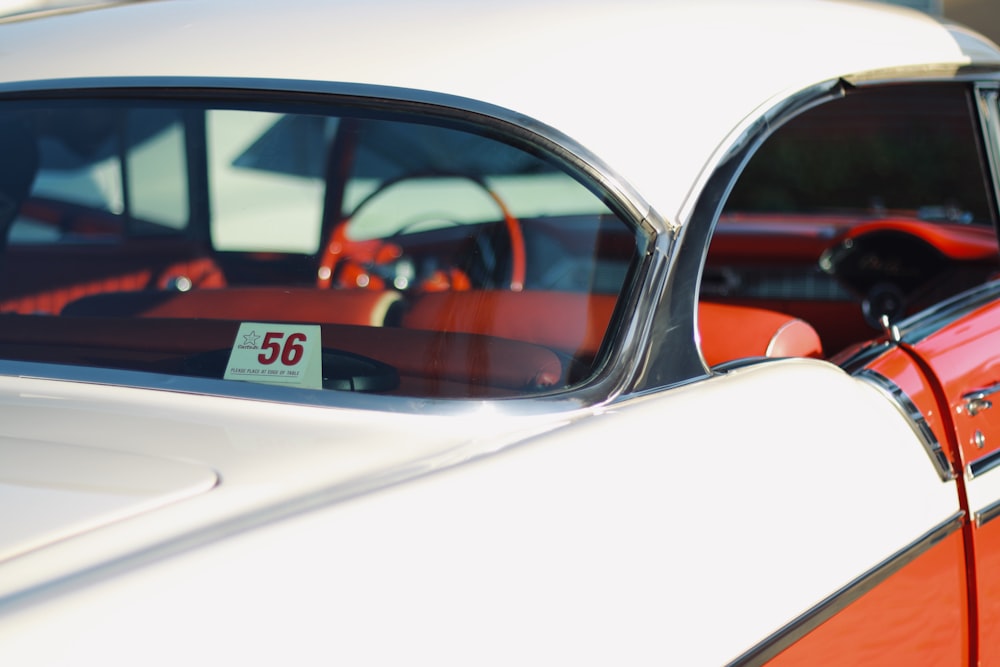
column 571, row 322
column 575, row 323
column 735, row 332
column 199, row 272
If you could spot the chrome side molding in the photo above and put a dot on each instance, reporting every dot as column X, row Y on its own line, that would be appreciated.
column 983, row 464
column 920, row 426
column 852, row 592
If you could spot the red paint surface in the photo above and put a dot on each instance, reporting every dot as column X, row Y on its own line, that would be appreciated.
column 916, row 617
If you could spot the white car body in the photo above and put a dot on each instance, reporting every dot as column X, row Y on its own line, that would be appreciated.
column 144, row 525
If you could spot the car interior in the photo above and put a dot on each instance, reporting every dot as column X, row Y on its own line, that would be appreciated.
column 875, row 204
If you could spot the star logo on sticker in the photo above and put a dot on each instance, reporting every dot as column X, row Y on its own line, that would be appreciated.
column 250, row 340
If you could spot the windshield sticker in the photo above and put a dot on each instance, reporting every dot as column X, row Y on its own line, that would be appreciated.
column 288, row 354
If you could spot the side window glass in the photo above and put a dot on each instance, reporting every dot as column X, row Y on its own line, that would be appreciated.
column 266, row 174
column 156, row 168
column 419, row 255
column 875, row 204
column 414, row 179
column 104, row 176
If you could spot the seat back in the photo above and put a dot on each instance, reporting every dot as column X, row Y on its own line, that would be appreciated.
column 736, row 332
column 571, row 322
column 576, row 323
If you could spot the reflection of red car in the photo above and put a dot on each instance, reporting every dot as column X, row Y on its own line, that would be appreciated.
column 380, row 332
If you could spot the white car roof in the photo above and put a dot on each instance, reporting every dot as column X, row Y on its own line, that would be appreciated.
column 654, row 87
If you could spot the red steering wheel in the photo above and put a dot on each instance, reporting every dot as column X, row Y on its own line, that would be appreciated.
column 346, row 262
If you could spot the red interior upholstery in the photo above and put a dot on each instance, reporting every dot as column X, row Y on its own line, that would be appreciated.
column 269, row 304
column 576, row 323
column 532, row 322
column 568, row 321
column 197, row 272
column 734, row 332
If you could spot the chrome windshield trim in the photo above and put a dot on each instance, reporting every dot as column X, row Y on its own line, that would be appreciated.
column 852, row 592
column 916, row 419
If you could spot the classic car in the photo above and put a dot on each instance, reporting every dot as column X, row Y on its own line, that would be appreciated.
column 516, row 333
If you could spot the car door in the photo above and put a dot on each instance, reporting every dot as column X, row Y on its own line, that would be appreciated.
column 966, row 358
column 955, row 351
column 879, row 203
column 943, row 366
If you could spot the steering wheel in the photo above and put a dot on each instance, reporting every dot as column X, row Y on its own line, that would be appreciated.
column 890, row 270
column 347, row 261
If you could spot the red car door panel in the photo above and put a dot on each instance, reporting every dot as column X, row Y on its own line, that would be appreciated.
column 948, row 365
column 921, row 612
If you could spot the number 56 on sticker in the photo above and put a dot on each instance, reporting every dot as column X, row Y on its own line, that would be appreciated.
column 288, row 354
column 288, row 349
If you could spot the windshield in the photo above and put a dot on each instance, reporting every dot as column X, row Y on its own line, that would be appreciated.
column 350, row 251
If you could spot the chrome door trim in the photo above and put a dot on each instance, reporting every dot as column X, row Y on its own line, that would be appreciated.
column 983, row 464
column 942, row 465
column 852, row 592
column 987, row 514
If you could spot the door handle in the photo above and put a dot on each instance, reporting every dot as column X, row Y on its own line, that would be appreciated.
column 977, row 401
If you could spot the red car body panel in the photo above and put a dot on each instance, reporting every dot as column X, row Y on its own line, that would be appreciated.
column 949, row 375
column 986, row 543
column 916, row 615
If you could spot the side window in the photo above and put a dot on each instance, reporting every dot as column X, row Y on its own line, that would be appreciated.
column 876, row 204
column 426, row 255
column 156, row 169
column 412, row 179
column 105, row 176
column 266, row 176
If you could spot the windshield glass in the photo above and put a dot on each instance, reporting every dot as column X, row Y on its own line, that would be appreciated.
column 355, row 251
